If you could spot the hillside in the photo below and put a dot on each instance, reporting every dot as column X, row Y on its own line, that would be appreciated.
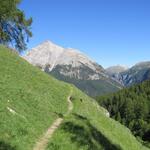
column 88, row 128
column 31, row 101
column 72, row 66
column 131, row 107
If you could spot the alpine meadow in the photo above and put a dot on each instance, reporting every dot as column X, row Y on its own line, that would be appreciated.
column 55, row 96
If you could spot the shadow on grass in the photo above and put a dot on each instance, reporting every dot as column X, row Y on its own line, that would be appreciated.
column 79, row 117
column 88, row 135
column 6, row 146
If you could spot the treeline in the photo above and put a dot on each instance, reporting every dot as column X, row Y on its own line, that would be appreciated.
column 131, row 107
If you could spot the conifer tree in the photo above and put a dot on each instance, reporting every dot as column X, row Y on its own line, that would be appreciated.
column 14, row 27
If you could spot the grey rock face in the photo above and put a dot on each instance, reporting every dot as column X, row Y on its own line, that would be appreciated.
column 48, row 55
column 44, row 54
column 136, row 74
column 114, row 73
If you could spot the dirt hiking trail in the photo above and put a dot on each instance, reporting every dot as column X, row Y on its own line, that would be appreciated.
column 42, row 143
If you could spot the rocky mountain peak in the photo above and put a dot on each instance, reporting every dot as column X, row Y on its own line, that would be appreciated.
column 44, row 54
column 73, row 66
column 49, row 55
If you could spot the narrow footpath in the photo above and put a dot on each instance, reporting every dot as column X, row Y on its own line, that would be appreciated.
column 42, row 143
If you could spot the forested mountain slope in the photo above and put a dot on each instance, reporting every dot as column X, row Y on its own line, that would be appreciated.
column 131, row 107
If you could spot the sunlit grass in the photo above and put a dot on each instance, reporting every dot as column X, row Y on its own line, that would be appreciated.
column 31, row 100
column 36, row 98
column 88, row 128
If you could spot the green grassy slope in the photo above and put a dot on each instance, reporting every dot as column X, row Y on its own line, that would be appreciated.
column 88, row 128
column 31, row 100
column 36, row 98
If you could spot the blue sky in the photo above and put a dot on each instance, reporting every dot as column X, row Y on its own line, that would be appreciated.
column 109, row 31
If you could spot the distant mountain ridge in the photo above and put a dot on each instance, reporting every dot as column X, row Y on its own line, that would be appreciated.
column 136, row 74
column 116, row 69
column 72, row 66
